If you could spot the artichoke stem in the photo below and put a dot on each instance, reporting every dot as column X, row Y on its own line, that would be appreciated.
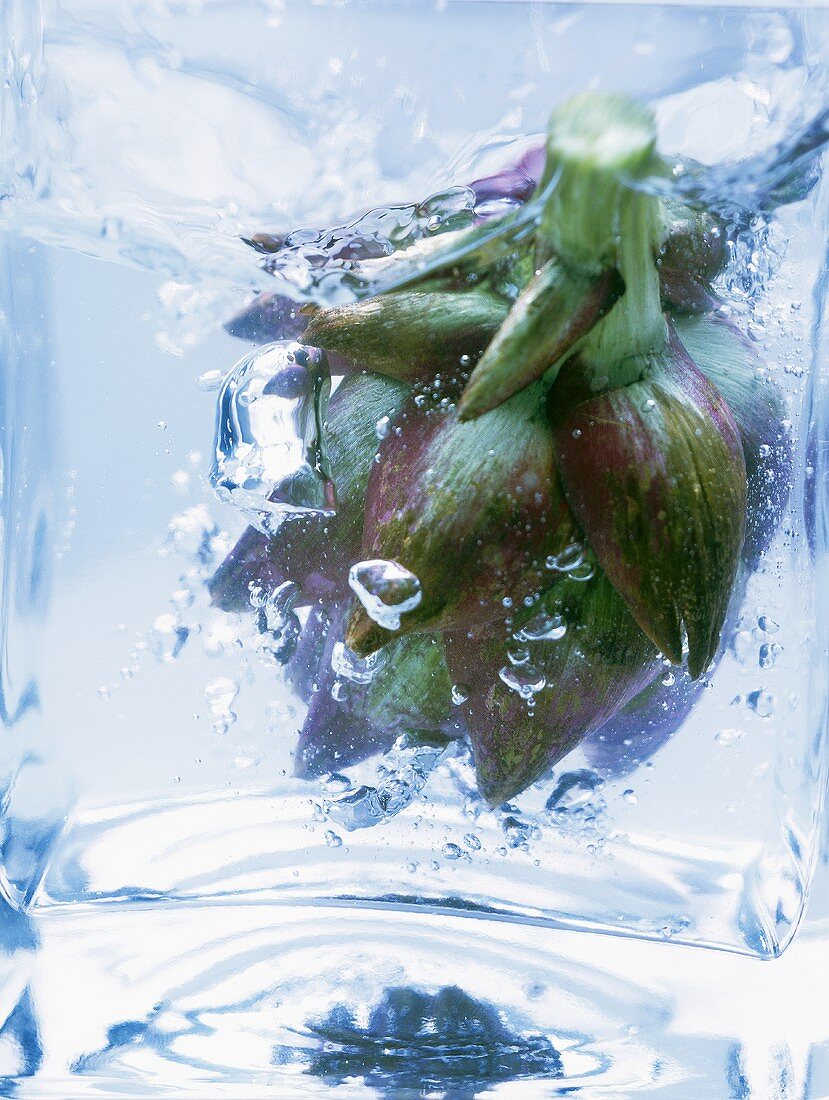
column 597, row 144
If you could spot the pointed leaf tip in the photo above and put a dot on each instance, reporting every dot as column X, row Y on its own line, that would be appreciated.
column 556, row 309
column 586, row 658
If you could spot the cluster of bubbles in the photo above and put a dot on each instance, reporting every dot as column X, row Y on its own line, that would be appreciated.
column 400, row 779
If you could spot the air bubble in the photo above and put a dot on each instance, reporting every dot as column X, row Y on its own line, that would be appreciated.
column 192, row 533
column 356, row 670
column 167, row 637
column 270, row 459
column 543, row 627
column 386, row 590
column 761, row 702
column 729, row 736
column 569, row 559
column 460, row 694
column 526, row 681
column 574, row 791
column 220, row 695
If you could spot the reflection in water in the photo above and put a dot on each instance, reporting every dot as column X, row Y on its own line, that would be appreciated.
column 446, row 1042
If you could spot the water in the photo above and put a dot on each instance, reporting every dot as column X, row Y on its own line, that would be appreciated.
column 161, row 174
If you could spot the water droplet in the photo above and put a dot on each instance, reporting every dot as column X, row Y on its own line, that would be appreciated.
column 167, row 637
column 543, row 627
column 460, row 693
column 574, row 790
column 210, row 380
column 761, row 703
column 451, row 851
column 386, row 590
column 356, row 670
column 192, row 533
column 220, row 695
column 270, row 459
column 742, row 646
column 729, row 736
column 472, row 842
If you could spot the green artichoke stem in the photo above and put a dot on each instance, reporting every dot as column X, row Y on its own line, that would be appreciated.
column 596, row 145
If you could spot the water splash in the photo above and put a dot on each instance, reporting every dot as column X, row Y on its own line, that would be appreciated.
column 277, row 622
column 403, row 775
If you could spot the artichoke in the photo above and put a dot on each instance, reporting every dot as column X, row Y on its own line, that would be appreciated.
column 547, row 487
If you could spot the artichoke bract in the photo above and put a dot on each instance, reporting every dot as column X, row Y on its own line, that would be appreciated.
column 547, row 486
column 349, row 720
column 552, row 313
column 411, row 335
column 728, row 359
column 655, row 474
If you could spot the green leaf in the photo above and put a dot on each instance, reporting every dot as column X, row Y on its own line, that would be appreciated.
column 553, row 312
column 655, row 475
column 412, row 335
